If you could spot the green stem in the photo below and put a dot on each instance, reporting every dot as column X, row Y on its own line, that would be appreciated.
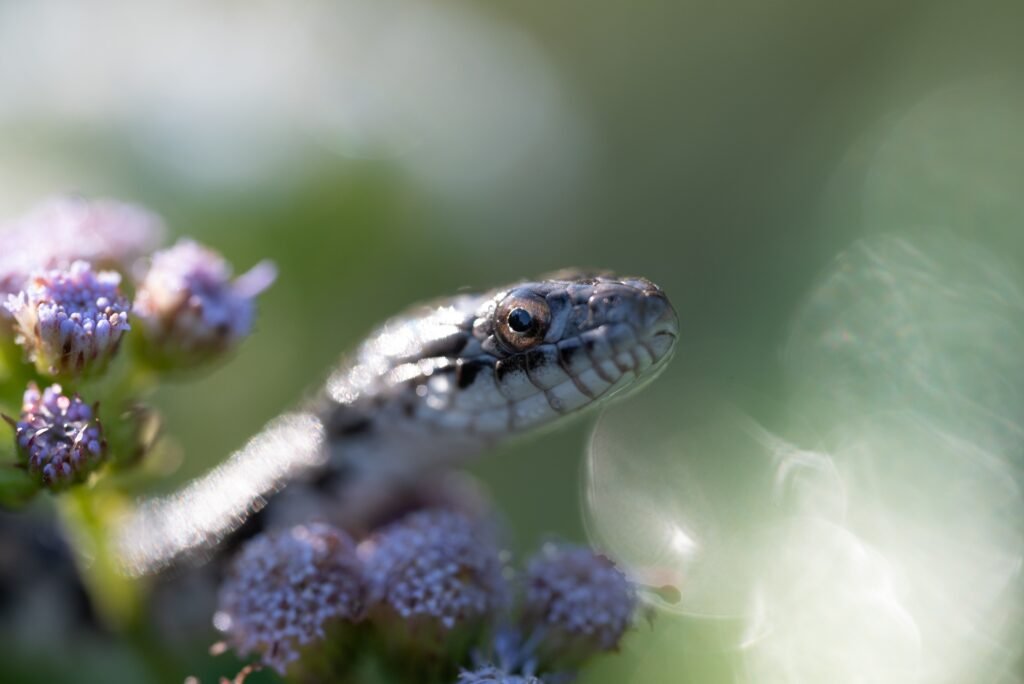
column 87, row 514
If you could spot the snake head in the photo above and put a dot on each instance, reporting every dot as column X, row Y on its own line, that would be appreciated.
column 570, row 341
column 515, row 358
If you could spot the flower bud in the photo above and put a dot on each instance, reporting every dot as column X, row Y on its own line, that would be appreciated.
column 578, row 602
column 287, row 591
column 58, row 437
column 190, row 309
column 70, row 322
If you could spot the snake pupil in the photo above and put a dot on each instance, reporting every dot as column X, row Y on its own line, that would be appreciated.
column 520, row 320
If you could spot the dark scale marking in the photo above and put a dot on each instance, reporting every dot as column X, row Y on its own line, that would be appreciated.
column 356, row 428
column 330, row 481
column 537, row 359
column 583, row 389
column 466, row 371
column 346, row 422
column 445, row 346
column 601, row 373
column 540, row 359
column 530, row 362
column 513, row 364
column 589, row 345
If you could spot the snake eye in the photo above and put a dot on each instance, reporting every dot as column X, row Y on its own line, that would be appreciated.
column 522, row 320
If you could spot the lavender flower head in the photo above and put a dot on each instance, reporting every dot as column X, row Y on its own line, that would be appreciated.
column 286, row 589
column 436, row 568
column 70, row 321
column 62, row 230
column 492, row 675
column 190, row 308
column 579, row 598
column 58, row 437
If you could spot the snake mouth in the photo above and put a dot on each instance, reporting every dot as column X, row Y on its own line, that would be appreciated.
column 661, row 326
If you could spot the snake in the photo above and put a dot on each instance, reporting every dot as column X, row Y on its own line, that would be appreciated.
column 432, row 388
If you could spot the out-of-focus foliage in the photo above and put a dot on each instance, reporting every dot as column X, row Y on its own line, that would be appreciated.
column 388, row 151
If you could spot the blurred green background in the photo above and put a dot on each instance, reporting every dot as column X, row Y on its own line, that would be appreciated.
column 387, row 152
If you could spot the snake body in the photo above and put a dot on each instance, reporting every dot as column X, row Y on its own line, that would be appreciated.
column 434, row 386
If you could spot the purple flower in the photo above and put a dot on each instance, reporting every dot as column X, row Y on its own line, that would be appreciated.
column 189, row 307
column 62, row 230
column 58, row 437
column 578, row 600
column 435, row 570
column 492, row 675
column 70, row 321
column 286, row 589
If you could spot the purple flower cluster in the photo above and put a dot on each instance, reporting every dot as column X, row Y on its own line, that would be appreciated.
column 580, row 596
column 286, row 589
column 70, row 321
column 434, row 588
column 61, row 269
column 438, row 567
column 58, row 436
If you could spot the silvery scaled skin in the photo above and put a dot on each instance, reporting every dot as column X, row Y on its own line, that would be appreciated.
column 453, row 378
column 431, row 388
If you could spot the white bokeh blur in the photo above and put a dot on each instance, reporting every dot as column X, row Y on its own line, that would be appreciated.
column 252, row 94
column 882, row 540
